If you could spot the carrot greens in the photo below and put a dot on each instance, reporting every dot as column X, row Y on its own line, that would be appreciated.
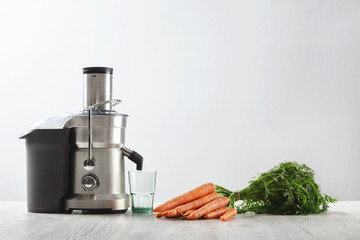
column 287, row 189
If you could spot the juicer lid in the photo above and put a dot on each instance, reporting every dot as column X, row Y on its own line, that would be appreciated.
column 88, row 70
column 57, row 122
column 78, row 120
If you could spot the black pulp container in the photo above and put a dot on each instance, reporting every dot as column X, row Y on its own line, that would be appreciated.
column 47, row 169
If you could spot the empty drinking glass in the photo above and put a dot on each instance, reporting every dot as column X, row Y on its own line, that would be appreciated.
column 142, row 190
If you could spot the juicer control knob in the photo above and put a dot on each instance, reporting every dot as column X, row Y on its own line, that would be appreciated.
column 89, row 182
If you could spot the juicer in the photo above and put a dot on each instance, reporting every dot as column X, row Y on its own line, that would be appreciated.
column 76, row 161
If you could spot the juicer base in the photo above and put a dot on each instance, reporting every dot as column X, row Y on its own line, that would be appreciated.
column 98, row 202
column 97, row 211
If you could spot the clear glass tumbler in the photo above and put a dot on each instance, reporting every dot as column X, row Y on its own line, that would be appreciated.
column 142, row 190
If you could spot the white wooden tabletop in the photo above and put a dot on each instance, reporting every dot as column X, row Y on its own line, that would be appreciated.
column 341, row 222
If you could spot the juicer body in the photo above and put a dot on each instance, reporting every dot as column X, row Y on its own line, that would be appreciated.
column 101, row 186
column 76, row 162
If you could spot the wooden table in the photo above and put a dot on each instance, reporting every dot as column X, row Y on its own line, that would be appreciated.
column 341, row 222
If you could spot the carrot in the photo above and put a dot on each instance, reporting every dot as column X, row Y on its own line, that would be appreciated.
column 209, row 207
column 186, row 197
column 217, row 213
column 192, row 205
column 161, row 214
column 232, row 212
column 189, row 212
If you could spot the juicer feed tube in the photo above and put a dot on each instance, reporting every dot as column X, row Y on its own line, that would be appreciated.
column 97, row 87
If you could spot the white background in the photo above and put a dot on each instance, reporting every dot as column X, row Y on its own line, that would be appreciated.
column 215, row 90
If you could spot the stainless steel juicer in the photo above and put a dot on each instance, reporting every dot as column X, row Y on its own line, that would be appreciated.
column 76, row 162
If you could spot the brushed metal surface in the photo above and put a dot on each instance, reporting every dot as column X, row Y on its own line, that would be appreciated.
column 116, row 202
column 108, row 139
column 109, row 169
column 101, row 120
column 108, row 131
column 97, row 88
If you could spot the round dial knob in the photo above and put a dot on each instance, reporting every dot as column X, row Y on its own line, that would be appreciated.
column 89, row 182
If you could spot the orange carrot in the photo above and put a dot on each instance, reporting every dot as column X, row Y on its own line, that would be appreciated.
column 232, row 212
column 162, row 214
column 192, row 205
column 217, row 213
column 209, row 207
column 186, row 197
column 189, row 212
